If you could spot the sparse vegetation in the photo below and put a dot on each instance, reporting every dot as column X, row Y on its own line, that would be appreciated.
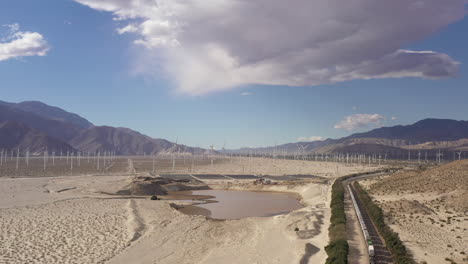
column 338, row 247
column 392, row 240
column 450, row 260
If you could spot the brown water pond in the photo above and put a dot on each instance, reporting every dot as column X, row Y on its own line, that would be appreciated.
column 227, row 204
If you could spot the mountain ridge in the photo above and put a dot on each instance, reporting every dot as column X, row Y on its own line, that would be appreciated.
column 427, row 133
column 46, row 127
column 50, row 112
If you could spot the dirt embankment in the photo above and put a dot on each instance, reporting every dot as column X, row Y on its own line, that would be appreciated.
column 159, row 186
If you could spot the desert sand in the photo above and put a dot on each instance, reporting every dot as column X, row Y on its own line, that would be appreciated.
column 428, row 209
column 80, row 219
column 260, row 166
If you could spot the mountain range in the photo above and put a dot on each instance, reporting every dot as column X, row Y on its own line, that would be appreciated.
column 38, row 127
column 428, row 135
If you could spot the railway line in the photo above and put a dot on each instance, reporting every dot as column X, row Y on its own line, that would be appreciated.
column 377, row 251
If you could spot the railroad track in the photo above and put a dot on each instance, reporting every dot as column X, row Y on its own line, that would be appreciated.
column 381, row 254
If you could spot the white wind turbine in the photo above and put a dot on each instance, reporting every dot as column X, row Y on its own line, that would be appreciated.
column 175, row 146
column 211, row 155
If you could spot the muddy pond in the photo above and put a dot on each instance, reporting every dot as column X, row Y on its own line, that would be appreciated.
column 227, row 204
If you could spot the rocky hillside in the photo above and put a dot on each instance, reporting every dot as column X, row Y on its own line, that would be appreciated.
column 37, row 126
column 14, row 135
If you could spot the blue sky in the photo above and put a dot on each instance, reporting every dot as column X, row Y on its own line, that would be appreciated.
column 90, row 69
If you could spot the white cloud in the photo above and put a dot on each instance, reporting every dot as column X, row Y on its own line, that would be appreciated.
column 394, row 118
column 245, row 93
column 127, row 29
column 206, row 46
column 21, row 44
column 309, row 139
column 358, row 121
column 354, row 108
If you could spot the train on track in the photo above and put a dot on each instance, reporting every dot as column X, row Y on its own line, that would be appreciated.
column 365, row 232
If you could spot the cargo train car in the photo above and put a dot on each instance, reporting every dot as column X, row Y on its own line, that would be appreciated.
column 365, row 232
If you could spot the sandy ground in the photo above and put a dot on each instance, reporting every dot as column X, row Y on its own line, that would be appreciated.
column 428, row 209
column 250, row 240
column 74, row 219
column 264, row 166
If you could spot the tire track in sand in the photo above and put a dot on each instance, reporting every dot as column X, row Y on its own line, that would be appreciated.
column 135, row 223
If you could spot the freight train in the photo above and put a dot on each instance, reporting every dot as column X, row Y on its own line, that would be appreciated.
column 365, row 232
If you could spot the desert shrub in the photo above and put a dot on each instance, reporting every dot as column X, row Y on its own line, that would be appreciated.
column 337, row 249
column 337, row 252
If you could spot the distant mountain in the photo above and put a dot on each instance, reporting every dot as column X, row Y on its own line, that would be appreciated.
column 427, row 130
column 50, row 112
column 286, row 148
column 392, row 152
column 14, row 135
column 53, row 128
column 427, row 134
column 124, row 141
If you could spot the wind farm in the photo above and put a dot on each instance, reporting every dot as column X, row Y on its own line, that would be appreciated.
column 171, row 194
column 153, row 196
column 233, row 132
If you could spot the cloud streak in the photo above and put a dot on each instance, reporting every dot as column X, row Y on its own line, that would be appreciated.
column 359, row 121
column 21, row 44
column 310, row 139
column 209, row 46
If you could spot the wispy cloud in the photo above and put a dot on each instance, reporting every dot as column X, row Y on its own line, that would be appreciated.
column 127, row 29
column 394, row 118
column 358, row 121
column 21, row 44
column 263, row 42
column 245, row 93
column 310, row 139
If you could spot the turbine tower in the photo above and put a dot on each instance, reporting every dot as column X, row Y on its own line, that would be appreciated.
column 211, row 155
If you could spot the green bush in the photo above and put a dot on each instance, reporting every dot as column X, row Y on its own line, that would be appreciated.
column 337, row 252
column 337, row 249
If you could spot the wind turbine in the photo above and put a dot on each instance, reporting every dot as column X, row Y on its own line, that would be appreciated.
column 211, row 155
column 300, row 150
column 224, row 149
column 153, row 163
column 27, row 158
column 173, row 156
column 439, row 155
column 17, row 158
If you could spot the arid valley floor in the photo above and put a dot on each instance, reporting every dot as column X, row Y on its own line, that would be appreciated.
column 86, row 218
